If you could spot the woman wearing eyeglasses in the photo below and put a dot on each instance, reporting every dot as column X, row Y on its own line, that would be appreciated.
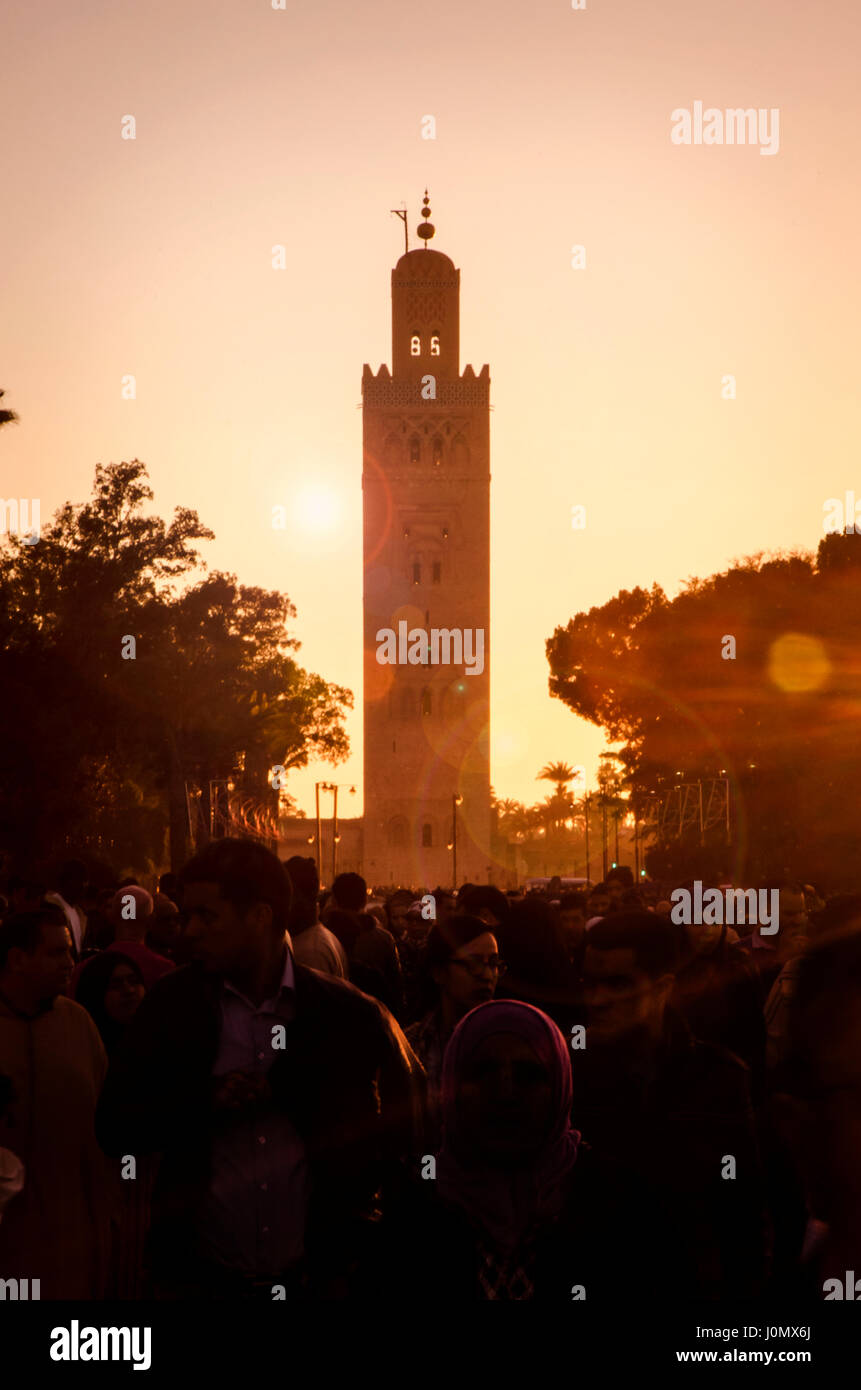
column 462, row 962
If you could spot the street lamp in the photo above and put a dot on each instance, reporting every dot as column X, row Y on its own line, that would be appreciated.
column 330, row 787
column 456, row 800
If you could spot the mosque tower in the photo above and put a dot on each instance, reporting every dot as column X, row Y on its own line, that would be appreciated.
column 426, row 529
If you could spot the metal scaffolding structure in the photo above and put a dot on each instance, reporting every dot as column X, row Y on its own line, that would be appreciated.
column 699, row 807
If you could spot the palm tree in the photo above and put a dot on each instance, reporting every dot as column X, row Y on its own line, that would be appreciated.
column 560, row 774
column 7, row 417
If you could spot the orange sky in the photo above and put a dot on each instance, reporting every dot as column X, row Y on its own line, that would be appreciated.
column 303, row 127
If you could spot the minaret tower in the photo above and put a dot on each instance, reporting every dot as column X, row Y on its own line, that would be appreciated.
column 426, row 493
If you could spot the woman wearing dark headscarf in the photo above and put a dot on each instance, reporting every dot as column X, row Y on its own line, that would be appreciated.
column 110, row 987
column 521, row 1208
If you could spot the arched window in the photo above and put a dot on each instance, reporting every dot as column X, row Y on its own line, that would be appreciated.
column 437, row 572
column 415, row 346
column 426, row 701
column 437, row 452
column 434, row 346
column 417, row 572
column 415, row 449
column 460, row 453
column 427, row 836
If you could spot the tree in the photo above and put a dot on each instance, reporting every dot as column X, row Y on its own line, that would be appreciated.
column 559, row 773
column 107, row 751
column 767, row 710
column 7, row 417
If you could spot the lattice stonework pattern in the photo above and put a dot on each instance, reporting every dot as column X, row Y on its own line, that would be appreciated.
column 426, row 308
column 409, row 393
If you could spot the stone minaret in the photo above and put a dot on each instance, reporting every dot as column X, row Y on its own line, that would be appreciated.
column 426, row 492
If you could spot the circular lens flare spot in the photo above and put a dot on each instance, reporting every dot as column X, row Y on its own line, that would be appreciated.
column 798, row 663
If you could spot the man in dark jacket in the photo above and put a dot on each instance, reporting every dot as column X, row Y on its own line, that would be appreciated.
column 282, row 1100
column 370, row 946
column 677, row 1110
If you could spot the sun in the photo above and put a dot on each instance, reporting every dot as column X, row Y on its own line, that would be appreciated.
column 317, row 509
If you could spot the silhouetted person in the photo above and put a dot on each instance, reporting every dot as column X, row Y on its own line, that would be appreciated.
column 520, row 1209
column 539, row 969
column 648, row 1092
column 111, row 988
column 11, row 1167
column 717, row 993
column 281, row 1098
column 56, row 1230
column 768, row 953
column 572, row 925
column 463, row 963
column 313, row 944
column 486, row 902
column 68, row 886
column 820, row 1082
column 372, row 948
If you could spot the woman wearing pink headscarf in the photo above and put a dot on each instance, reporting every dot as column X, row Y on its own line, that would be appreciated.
column 520, row 1208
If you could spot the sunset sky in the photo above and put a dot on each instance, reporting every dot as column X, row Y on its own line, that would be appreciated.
column 302, row 126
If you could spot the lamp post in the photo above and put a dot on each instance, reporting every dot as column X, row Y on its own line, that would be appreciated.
column 224, row 817
column 317, row 786
column 330, row 787
column 456, row 800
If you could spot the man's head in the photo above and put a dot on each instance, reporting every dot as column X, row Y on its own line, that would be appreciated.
column 397, row 907
column 130, row 913
column 169, row 884
column 572, row 919
column 35, row 957
column 25, row 892
column 350, row 892
column 599, row 901
column 71, row 881
column 305, row 882
column 628, row 973
column 486, row 902
column 236, row 899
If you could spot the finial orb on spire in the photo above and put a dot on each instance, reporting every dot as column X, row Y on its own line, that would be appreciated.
column 426, row 229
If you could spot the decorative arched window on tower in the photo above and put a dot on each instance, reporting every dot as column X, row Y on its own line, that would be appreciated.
column 415, row 346
column 460, row 453
column 435, row 346
column 426, row 701
column 427, row 836
column 437, row 452
column 415, row 449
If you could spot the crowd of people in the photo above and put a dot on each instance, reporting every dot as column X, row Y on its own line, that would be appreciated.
column 236, row 1084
